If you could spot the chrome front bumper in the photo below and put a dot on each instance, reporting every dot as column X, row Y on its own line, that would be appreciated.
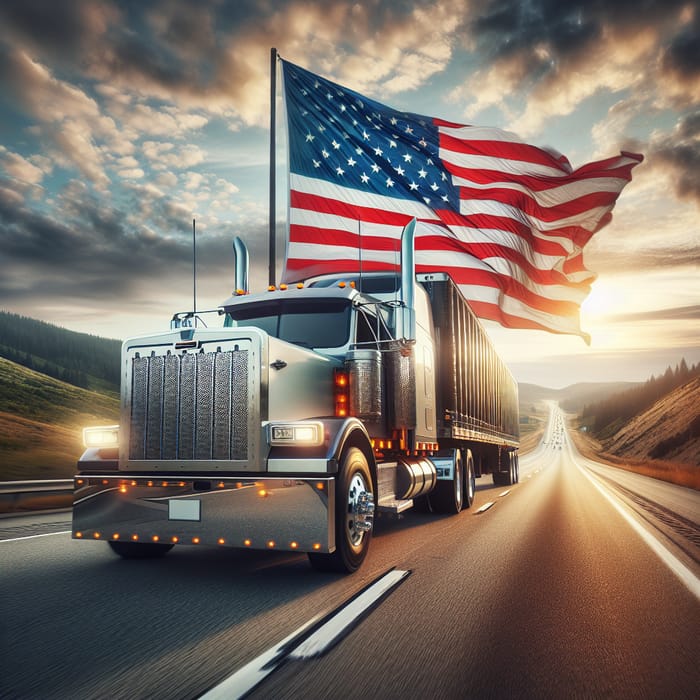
column 265, row 513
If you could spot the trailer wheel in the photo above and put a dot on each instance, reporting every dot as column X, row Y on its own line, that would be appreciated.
column 516, row 467
column 354, row 511
column 507, row 477
column 448, row 496
column 469, row 480
column 140, row 550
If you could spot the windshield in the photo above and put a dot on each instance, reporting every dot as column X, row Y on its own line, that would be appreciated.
column 317, row 324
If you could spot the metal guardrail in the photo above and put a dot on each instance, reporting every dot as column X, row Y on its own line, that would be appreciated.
column 26, row 496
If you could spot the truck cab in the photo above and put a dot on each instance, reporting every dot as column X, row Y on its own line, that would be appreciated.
column 306, row 410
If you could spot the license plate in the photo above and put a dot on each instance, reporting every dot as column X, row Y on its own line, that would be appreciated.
column 184, row 509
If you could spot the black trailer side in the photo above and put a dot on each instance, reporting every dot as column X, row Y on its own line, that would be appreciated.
column 476, row 395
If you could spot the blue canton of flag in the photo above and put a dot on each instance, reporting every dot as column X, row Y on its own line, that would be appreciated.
column 340, row 136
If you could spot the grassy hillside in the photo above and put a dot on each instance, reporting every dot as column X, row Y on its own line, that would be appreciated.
column 41, row 422
column 77, row 358
column 669, row 430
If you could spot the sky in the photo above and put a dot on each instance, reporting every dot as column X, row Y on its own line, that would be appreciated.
column 121, row 122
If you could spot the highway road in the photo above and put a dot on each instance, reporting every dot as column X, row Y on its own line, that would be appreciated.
column 580, row 581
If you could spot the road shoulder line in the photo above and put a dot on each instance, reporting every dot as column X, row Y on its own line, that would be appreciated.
column 681, row 571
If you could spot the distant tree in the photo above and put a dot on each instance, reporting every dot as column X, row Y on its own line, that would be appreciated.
column 60, row 353
column 605, row 417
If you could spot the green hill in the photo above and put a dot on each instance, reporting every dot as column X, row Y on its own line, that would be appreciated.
column 41, row 422
column 80, row 359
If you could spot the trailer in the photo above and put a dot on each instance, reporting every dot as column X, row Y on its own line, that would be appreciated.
column 307, row 412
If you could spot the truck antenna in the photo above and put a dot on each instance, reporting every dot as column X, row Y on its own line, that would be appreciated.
column 194, row 274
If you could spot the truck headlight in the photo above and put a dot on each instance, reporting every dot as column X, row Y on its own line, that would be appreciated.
column 102, row 436
column 306, row 434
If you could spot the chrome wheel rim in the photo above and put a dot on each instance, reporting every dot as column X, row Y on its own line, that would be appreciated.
column 356, row 487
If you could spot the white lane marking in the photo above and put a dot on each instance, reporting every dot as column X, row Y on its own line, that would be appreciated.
column 485, row 507
column 249, row 676
column 31, row 537
column 686, row 576
column 504, row 493
column 312, row 639
column 332, row 631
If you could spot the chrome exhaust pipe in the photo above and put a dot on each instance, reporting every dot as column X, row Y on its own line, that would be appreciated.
column 242, row 265
column 407, row 293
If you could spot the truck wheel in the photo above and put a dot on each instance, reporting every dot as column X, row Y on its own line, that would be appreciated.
column 140, row 550
column 354, row 511
column 469, row 480
column 448, row 496
column 516, row 468
column 505, row 478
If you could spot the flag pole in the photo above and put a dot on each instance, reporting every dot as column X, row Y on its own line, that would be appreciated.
column 273, row 194
column 194, row 275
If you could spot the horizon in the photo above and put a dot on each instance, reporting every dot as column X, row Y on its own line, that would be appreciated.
column 122, row 123
column 672, row 366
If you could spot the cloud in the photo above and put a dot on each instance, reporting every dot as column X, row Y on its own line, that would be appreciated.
column 563, row 53
column 163, row 155
column 679, row 153
column 86, row 249
column 683, row 313
column 215, row 54
column 20, row 168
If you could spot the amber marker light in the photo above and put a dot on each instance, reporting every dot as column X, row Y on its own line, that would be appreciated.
column 283, row 287
column 293, row 545
column 115, row 535
column 79, row 535
column 247, row 543
column 96, row 535
column 300, row 285
column 271, row 544
column 221, row 540
column 155, row 538
column 122, row 488
column 320, row 486
column 262, row 493
column 195, row 540
column 341, row 383
column 316, row 546
column 174, row 539
column 134, row 537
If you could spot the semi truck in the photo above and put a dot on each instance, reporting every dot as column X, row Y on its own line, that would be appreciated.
column 307, row 411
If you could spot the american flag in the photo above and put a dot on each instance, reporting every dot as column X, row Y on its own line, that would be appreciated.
column 506, row 220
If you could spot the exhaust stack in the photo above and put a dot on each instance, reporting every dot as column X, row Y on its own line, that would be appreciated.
column 242, row 264
column 407, row 294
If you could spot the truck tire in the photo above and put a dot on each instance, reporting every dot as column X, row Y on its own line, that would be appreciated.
column 140, row 550
column 507, row 477
column 351, row 536
column 448, row 496
column 516, row 467
column 469, row 480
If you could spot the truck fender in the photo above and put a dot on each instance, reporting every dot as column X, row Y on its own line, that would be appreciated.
column 348, row 432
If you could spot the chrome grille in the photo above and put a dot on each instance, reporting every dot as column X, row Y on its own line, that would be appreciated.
column 189, row 407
